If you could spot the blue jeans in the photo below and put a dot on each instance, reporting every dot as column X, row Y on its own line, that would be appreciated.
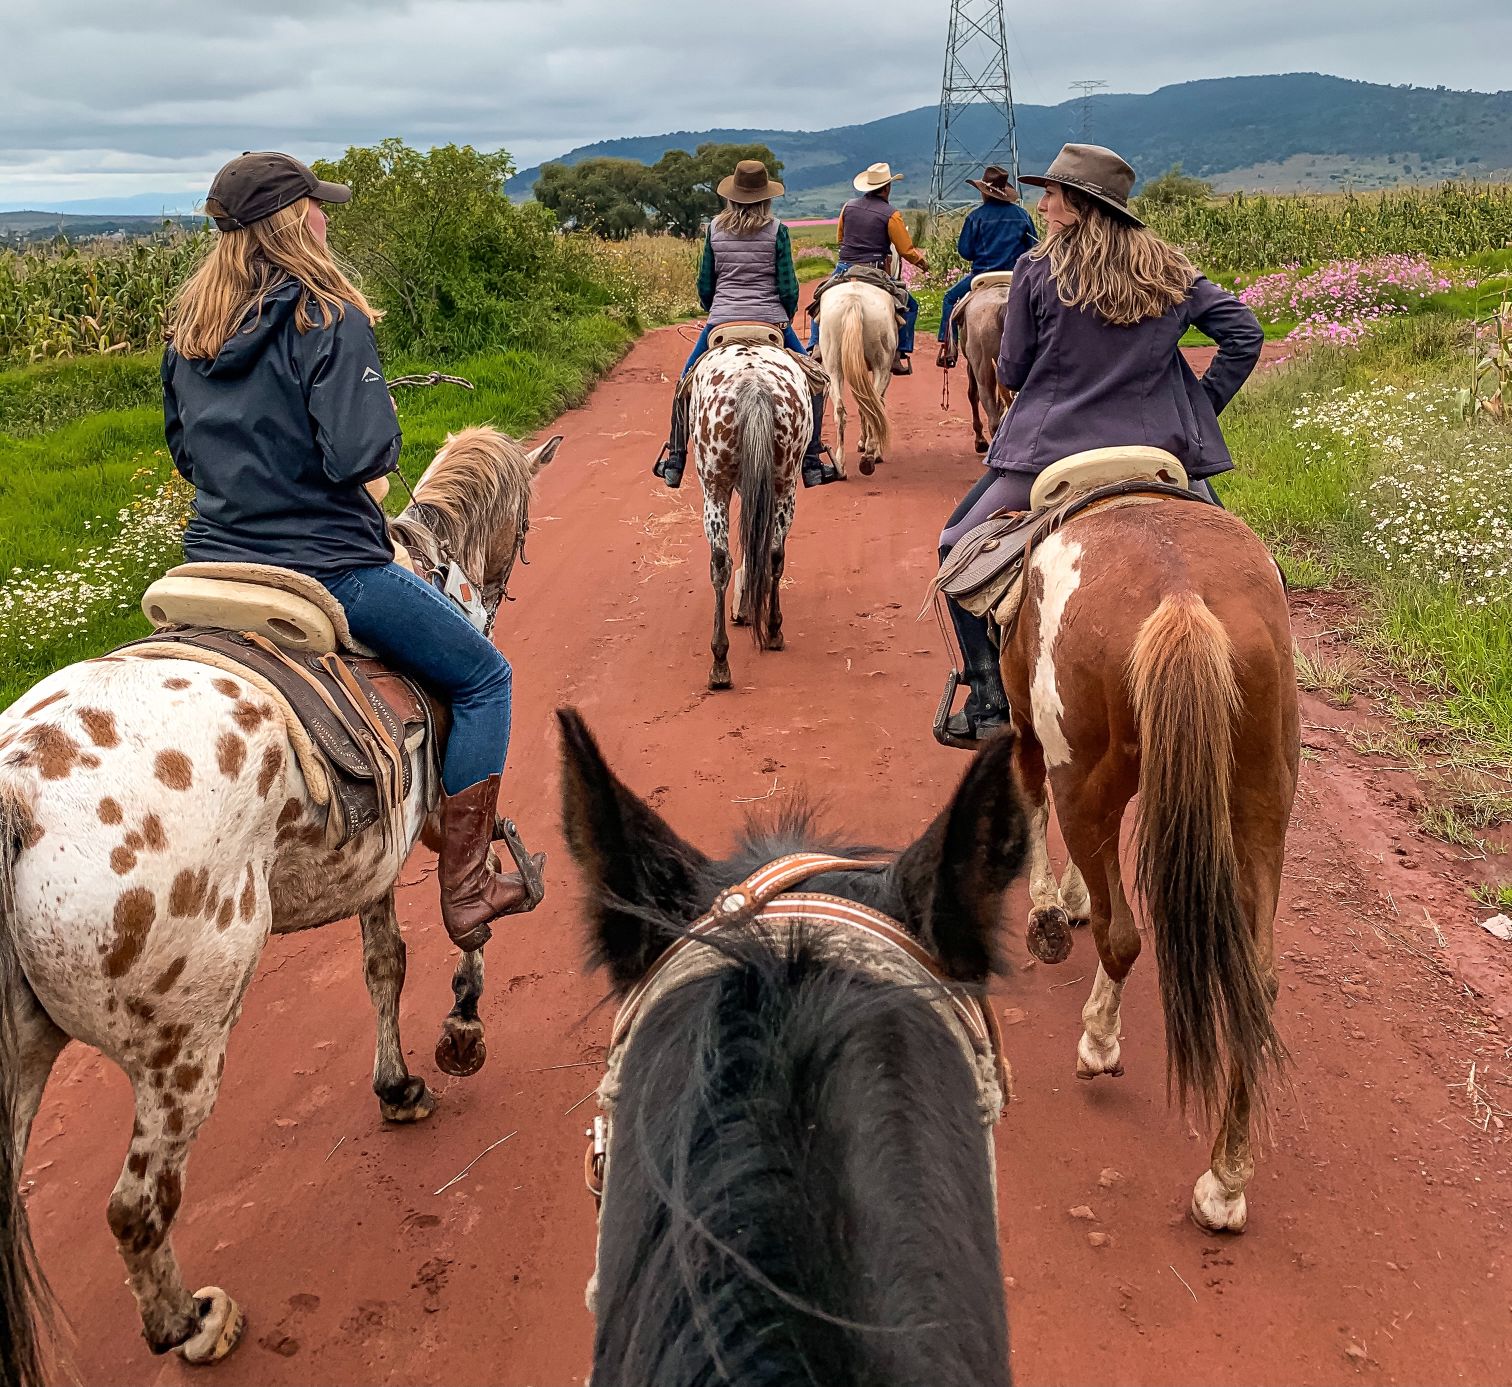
column 790, row 339
column 411, row 625
column 905, row 328
column 953, row 296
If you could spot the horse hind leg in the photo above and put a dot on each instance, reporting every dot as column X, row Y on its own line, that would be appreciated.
column 785, row 511
column 176, row 1084
column 717, row 530
column 1049, row 932
column 402, row 1097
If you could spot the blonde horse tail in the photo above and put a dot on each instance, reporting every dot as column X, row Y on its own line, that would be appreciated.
column 756, row 445
column 24, row 1297
column 1216, row 1001
column 858, row 375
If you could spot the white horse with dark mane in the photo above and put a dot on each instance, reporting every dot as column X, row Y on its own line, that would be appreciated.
column 155, row 829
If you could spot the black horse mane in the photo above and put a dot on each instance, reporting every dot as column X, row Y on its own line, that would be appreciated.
column 799, row 1193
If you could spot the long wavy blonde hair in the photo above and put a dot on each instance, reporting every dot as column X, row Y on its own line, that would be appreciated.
column 1122, row 272
column 744, row 218
column 226, row 292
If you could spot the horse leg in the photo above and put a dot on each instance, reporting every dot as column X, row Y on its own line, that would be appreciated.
column 1049, row 936
column 717, row 529
column 176, row 1086
column 462, row 1049
column 974, row 396
column 38, row 1041
column 402, row 1097
column 785, row 510
column 1218, row 1202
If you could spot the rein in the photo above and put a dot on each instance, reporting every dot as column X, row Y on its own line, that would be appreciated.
column 766, row 901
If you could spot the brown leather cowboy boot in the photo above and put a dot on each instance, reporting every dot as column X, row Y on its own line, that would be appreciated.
column 474, row 889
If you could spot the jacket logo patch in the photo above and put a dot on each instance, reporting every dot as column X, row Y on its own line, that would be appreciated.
column 370, row 374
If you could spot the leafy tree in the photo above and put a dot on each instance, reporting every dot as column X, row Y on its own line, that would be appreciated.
column 1172, row 188
column 685, row 198
column 454, row 264
column 608, row 197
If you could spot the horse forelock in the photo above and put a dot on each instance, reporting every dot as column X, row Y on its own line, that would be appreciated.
column 475, row 489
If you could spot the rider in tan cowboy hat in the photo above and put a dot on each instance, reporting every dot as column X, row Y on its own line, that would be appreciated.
column 870, row 228
column 993, row 237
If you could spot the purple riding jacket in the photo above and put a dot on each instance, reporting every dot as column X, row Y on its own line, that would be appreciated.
column 1084, row 383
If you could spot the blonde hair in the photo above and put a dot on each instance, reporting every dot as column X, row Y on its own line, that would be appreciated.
column 744, row 218
column 1122, row 272
column 243, row 266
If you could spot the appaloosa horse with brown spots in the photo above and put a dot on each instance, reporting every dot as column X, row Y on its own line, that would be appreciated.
column 155, row 829
column 752, row 417
column 1153, row 653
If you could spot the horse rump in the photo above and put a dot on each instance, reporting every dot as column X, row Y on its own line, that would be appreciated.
column 858, row 374
column 1216, row 1002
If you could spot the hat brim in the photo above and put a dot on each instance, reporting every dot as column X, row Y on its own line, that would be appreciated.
column 1044, row 181
column 996, row 194
column 730, row 193
column 860, row 184
column 331, row 192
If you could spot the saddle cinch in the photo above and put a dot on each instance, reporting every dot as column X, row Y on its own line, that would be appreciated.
column 353, row 722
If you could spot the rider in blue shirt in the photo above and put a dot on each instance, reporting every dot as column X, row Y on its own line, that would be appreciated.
column 992, row 238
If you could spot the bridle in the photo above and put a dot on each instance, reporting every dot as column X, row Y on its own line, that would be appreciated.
column 491, row 595
column 766, row 904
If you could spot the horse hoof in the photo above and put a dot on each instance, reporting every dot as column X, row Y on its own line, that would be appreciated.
column 1215, row 1209
column 720, row 679
column 775, row 641
column 1094, row 1060
column 416, row 1109
column 1049, row 935
column 461, row 1050
column 868, row 466
column 740, row 619
column 221, row 1326
column 982, row 445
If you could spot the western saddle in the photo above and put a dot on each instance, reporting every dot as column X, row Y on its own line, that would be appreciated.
column 353, row 722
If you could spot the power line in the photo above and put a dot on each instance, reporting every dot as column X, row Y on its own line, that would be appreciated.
column 976, row 125
column 1088, row 87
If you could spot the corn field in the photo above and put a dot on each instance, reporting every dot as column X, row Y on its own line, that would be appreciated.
column 1256, row 231
column 81, row 301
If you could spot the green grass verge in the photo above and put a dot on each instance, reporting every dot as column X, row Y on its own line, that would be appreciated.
column 62, row 491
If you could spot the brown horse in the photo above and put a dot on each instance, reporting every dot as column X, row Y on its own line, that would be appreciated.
column 981, row 335
column 1153, row 653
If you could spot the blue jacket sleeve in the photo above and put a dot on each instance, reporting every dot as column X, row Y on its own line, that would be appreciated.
column 1020, row 331
column 173, row 425
column 966, row 242
column 1237, row 332
column 354, row 420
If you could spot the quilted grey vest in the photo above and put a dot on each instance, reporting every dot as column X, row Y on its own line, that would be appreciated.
column 745, row 277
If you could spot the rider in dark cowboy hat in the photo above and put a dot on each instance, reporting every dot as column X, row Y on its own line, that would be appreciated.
column 869, row 231
column 1091, row 343
column 993, row 237
column 746, row 276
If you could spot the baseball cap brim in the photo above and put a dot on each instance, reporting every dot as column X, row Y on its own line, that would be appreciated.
column 331, row 192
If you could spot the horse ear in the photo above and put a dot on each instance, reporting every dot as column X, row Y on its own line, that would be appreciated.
column 643, row 880
column 539, row 457
column 952, row 880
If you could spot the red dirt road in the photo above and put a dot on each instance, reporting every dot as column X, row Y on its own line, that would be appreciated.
column 1379, row 1219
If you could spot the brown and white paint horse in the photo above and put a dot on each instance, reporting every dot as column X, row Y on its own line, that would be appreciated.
column 858, row 340
column 155, row 829
column 981, row 330
column 1153, row 653
column 751, row 421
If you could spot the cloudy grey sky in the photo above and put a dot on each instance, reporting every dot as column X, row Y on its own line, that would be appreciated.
column 114, row 97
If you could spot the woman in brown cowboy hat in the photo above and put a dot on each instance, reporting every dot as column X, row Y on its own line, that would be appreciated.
column 1091, row 345
column 746, row 276
column 993, row 236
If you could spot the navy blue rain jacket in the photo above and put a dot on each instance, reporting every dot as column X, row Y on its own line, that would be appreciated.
column 278, row 433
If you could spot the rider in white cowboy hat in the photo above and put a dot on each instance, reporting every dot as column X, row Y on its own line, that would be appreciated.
column 746, row 275
column 993, row 237
column 869, row 229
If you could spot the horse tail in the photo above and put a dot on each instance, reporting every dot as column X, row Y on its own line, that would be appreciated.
column 1216, row 1001
column 756, row 456
column 858, row 375
column 24, row 1296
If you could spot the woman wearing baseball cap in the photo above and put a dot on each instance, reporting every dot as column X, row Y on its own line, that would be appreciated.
column 277, row 412
column 1091, row 345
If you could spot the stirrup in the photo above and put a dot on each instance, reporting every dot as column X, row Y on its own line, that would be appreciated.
column 949, row 356
column 664, row 465
column 531, row 867
column 902, row 366
column 821, row 469
column 945, row 735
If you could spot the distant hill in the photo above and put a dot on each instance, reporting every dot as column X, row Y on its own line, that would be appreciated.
column 1284, row 133
column 29, row 227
